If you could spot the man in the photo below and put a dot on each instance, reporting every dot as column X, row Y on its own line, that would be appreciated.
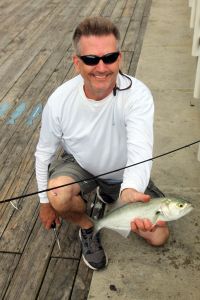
column 104, row 121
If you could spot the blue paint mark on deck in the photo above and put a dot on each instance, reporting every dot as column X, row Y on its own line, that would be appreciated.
column 3, row 108
column 17, row 113
column 37, row 110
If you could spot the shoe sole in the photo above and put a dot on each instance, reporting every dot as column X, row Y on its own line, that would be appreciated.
column 99, row 197
column 86, row 262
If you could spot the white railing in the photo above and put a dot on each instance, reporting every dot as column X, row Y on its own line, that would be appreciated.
column 195, row 24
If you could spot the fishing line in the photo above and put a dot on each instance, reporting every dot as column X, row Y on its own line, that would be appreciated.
column 103, row 174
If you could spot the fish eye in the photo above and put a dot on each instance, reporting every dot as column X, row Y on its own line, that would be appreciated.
column 180, row 205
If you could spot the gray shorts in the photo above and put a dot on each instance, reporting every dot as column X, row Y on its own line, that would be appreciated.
column 68, row 166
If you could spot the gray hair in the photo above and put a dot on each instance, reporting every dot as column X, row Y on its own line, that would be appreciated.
column 98, row 26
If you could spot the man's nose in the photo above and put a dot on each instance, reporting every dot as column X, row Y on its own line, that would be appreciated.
column 101, row 66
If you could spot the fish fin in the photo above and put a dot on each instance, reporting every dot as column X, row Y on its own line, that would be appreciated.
column 156, row 217
column 124, row 232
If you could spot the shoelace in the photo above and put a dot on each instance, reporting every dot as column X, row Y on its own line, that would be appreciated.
column 93, row 242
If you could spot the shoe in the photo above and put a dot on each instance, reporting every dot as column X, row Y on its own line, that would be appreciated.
column 92, row 250
column 105, row 198
column 153, row 190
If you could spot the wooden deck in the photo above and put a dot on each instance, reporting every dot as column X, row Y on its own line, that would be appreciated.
column 35, row 58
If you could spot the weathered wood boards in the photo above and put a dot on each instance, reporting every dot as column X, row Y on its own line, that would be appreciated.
column 35, row 58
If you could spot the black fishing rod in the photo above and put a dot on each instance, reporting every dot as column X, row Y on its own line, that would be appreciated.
column 103, row 174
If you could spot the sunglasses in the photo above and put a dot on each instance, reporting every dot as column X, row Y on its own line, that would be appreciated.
column 92, row 60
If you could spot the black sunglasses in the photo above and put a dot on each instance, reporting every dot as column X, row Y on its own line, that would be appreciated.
column 92, row 60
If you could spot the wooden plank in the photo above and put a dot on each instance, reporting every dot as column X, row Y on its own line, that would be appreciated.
column 12, row 172
column 108, row 9
column 16, row 22
column 126, row 60
column 58, row 282
column 20, row 225
column 99, row 7
column 147, row 8
column 82, row 282
column 8, row 263
column 87, row 9
column 22, row 41
column 69, row 242
column 30, row 271
column 26, row 79
column 139, row 10
column 10, row 9
column 16, row 185
column 41, row 265
column 33, row 91
column 123, row 24
column 136, row 55
column 129, row 8
column 49, row 43
column 17, row 164
column 12, row 183
column 22, row 58
column 59, row 74
column 131, row 37
column 118, row 10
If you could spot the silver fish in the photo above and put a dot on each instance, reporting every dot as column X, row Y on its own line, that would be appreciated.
column 157, row 209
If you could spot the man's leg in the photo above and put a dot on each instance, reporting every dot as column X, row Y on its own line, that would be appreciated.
column 67, row 201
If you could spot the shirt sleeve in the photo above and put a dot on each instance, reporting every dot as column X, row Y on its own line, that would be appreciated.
column 139, row 127
column 50, row 136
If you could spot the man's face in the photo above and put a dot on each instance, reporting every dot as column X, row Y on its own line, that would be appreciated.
column 99, row 80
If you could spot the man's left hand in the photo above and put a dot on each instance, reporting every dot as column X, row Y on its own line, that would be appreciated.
column 145, row 225
column 131, row 195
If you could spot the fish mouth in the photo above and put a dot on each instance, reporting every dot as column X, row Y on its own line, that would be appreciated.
column 190, row 207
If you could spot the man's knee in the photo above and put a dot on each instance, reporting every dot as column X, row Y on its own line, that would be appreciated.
column 59, row 196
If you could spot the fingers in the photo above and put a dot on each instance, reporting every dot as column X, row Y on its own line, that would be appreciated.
column 145, row 225
column 131, row 195
column 58, row 222
column 141, row 224
column 161, row 224
column 48, row 215
column 48, row 224
column 143, row 197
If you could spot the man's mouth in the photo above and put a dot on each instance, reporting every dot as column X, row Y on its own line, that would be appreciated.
column 100, row 76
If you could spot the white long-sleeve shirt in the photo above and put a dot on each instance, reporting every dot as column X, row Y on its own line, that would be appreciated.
column 101, row 135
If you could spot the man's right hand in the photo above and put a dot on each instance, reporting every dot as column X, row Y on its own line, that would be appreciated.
column 48, row 215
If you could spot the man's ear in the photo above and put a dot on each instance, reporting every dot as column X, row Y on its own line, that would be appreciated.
column 76, row 63
column 120, row 58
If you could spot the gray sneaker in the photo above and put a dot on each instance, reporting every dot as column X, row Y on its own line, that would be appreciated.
column 92, row 250
column 105, row 198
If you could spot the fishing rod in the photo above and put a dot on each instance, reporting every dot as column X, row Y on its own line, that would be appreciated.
column 103, row 174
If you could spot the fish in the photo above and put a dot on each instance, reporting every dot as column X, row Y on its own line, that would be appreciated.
column 157, row 209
